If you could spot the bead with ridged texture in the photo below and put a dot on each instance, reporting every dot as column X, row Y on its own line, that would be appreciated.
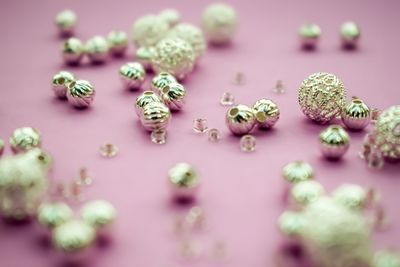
column 60, row 83
column 132, row 75
column 356, row 115
column 74, row 236
column 184, row 180
column 99, row 214
column 334, row 142
column 155, row 116
column 297, row 171
column 145, row 98
column 144, row 55
column 266, row 113
column 173, row 95
column 117, row 43
column 51, row 215
column 73, row 51
column 97, row 49
column 240, row 119
column 80, row 93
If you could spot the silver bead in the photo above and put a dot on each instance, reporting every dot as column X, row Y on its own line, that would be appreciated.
column 80, row 93
column 350, row 195
column 191, row 34
column 73, row 236
column 24, row 139
column 144, row 55
column 175, row 56
column 240, row 119
column 161, row 80
column 298, row 171
column 145, row 98
column 173, row 96
column 356, row 115
column 307, row 191
column 132, row 75
column 149, row 30
column 309, row 34
column 350, row 33
column 334, row 142
column 154, row 116
column 184, row 180
column 73, row 51
column 117, row 43
column 322, row 97
column 66, row 21
column 51, row 215
column 60, row 82
column 387, row 130
column 291, row 223
column 266, row 113
column 97, row 49
column 171, row 16
column 99, row 214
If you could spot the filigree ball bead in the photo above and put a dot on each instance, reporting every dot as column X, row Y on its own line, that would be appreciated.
column 334, row 142
column 99, row 214
column 149, row 30
column 184, row 180
column 356, row 115
column 73, row 236
column 350, row 33
column 191, row 34
column 80, row 93
column 51, row 215
column 144, row 55
column 240, row 119
column 97, row 49
column 24, row 139
column 173, row 96
column 309, row 34
column 175, row 56
column 66, row 21
column 117, row 43
column 73, row 51
column 322, row 97
column 219, row 23
column 161, row 80
column 155, row 116
column 60, row 82
column 171, row 16
column 387, row 129
column 132, row 75
column 145, row 98
column 266, row 113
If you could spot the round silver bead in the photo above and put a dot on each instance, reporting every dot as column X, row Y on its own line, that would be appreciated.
column 98, row 214
column 117, row 43
column 240, row 119
column 309, row 34
column 73, row 236
column 356, row 115
column 66, row 21
column 184, row 180
column 334, row 142
column 350, row 195
column 132, row 75
column 387, row 129
column 161, row 80
column 97, row 49
column 149, row 30
column 350, row 33
column 298, row 171
column 51, row 215
column 307, row 191
column 145, row 98
column 24, row 139
column 171, row 16
column 80, row 93
column 175, row 56
column 155, row 116
column 73, row 51
column 60, row 82
column 191, row 34
column 266, row 113
column 291, row 223
column 144, row 55
column 173, row 96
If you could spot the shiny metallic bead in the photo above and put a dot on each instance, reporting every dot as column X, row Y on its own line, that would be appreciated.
column 60, row 82
column 240, row 119
column 145, row 98
column 24, row 139
column 350, row 195
column 149, row 30
column 1, row 147
column 80, row 93
column 171, row 16
column 97, row 49
column 66, row 21
column 132, row 75
column 356, row 115
column 266, row 113
column 298, row 171
column 98, row 214
column 309, row 34
column 117, row 43
column 334, row 142
column 322, row 97
column 291, row 223
column 350, row 33
column 73, row 51
column 184, row 180
column 144, row 55
column 219, row 23
column 191, row 34
column 307, row 191
column 175, row 56
column 161, row 80
column 387, row 130
column 73, row 236
column 51, row 215
column 173, row 95
column 154, row 116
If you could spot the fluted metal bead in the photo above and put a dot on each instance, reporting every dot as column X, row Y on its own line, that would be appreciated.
column 97, row 49
column 155, row 116
column 350, row 33
column 117, row 43
column 80, row 93
column 240, row 119
column 350, row 195
column 51, row 215
column 73, row 236
column 132, row 75
column 66, row 21
column 309, row 34
column 191, row 34
column 322, row 97
column 145, row 98
column 161, row 80
column 307, row 191
column 60, row 82
column 171, row 16
column 149, row 30
column 73, row 51
column 24, row 139
column 334, row 142
column 291, row 223
column 356, row 115
column 98, row 214
column 144, row 55
column 297, row 171
column 266, row 113
column 173, row 95
column 184, row 180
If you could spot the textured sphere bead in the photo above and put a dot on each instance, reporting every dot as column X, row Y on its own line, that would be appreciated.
column 51, row 215
column 219, row 23
column 191, row 34
column 149, row 30
column 145, row 98
column 98, row 214
column 66, row 21
column 161, row 80
column 184, row 180
column 60, row 83
column 155, row 116
column 171, row 16
column 117, row 43
column 73, row 236
column 97, row 49
column 387, row 130
column 173, row 95
column 334, row 142
column 144, row 55
column 240, row 119
column 80, row 93
column 266, row 113
column 132, row 75
column 350, row 33
column 356, row 115
column 175, row 56
column 309, row 34
column 298, row 171
column 24, row 139
column 73, row 51
column 322, row 97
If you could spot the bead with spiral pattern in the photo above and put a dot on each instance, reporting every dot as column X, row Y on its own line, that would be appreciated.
column 356, row 115
column 80, row 93
column 60, row 82
column 132, row 75
column 117, row 43
column 266, row 113
column 387, row 131
column 97, row 49
column 240, row 119
column 24, row 139
column 191, row 34
column 173, row 95
column 145, row 98
column 155, row 116
column 73, row 51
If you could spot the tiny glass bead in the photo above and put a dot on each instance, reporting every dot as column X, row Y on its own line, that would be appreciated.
column 279, row 87
column 84, row 178
column 214, row 135
column 108, row 150
column 200, row 125
column 248, row 143
column 240, row 78
column 227, row 99
column 158, row 136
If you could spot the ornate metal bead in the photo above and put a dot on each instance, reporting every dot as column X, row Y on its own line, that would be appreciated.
column 266, row 113
column 97, row 49
column 334, row 142
column 66, row 21
column 240, row 119
column 309, row 34
column 175, row 56
column 149, row 30
column 161, row 80
column 117, row 43
column 171, row 16
column 80, row 93
column 298, row 171
column 24, row 139
column 73, row 51
column 155, row 116
column 145, row 98
column 73, row 236
column 322, row 97
column 173, row 95
column 219, row 23
column 132, row 75
column 51, row 215
column 350, row 33
column 307, row 191
column 144, row 56
column 191, row 34
column 350, row 195
column 60, row 82
column 356, row 115
column 98, row 214
column 387, row 131
column 184, row 180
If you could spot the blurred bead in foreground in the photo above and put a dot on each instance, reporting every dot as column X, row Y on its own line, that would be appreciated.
column 24, row 139
column 60, row 83
column 266, row 113
column 307, row 191
column 51, row 215
column 132, row 75
column 350, row 33
column 297, row 171
column 248, row 143
column 73, row 51
column 191, row 34
column 97, row 49
column 73, row 236
column 149, row 30
column 66, row 21
column 184, row 180
column 117, row 43
column 98, row 214
column 200, row 125
column 240, row 119
column 350, row 195
column 334, row 142
column 145, row 98
column 155, row 115
column 171, row 16
column 356, row 115
column 309, row 34
column 80, row 93
column 173, row 96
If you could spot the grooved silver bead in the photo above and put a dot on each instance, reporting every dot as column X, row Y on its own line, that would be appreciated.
column 24, row 139
column 334, row 142
column 117, row 43
column 309, row 34
column 173, row 96
column 132, row 75
column 66, row 21
column 73, row 236
column 266, row 113
column 98, row 214
column 51, row 215
column 240, row 119
column 155, row 116
column 149, row 30
column 80, row 93
column 60, row 82
column 387, row 130
column 350, row 33
column 191, row 34
column 73, row 51
column 161, row 80
column 145, row 98
column 356, row 115
column 97, row 49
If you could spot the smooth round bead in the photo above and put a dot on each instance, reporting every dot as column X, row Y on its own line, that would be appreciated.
column 184, row 180
column 334, row 142
column 117, row 43
column 161, row 80
column 350, row 33
column 175, row 56
column 97, row 49
column 191, row 34
column 173, row 95
column 356, row 115
column 60, row 82
column 155, row 116
column 145, row 98
column 219, row 23
column 98, row 214
column 322, row 97
column 66, row 21
column 350, row 195
column 24, row 139
column 291, row 223
column 298, row 171
column 309, row 34
column 266, row 113
column 387, row 130
column 149, row 30
column 307, row 191
column 240, row 119
column 51, row 215
column 73, row 51
column 171, row 16
column 144, row 55
column 73, row 236
column 80, row 93
column 132, row 75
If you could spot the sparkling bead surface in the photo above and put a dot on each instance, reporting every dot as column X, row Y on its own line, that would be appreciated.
column 171, row 16
column 73, row 236
column 191, row 34
column 117, row 43
column 149, row 30
column 60, row 82
column 227, row 99
column 248, row 143
column 387, row 133
column 155, row 115
column 80, row 93
column 356, row 115
column 334, row 142
column 98, row 213
column 309, row 35
column 184, row 180
column 386, row 258
column 97, row 49
column 132, row 75
column 73, row 51
column 158, row 136
column 173, row 96
column 306, row 192
column 144, row 55
column 145, row 98
column 108, row 150
column 240, row 119
column 350, row 33
column 214, row 135
column 51, row 215
column 266, row 113
column 298, row 171
column 161, row 80
column 66, row 21
column 24, row 139
column 350, row 195
column 200, row 125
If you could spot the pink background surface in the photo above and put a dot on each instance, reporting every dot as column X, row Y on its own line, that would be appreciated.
column 241, row 193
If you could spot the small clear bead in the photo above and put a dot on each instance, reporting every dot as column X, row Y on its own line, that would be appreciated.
column 240, row 78
column 279, row 87
column 227, row 99
column 200, row 125
column 375, row 159
column 248, row 143
column 158, row 136
column 84, row 178
column 108, row 150
column 214, row 135
column 196, row 218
